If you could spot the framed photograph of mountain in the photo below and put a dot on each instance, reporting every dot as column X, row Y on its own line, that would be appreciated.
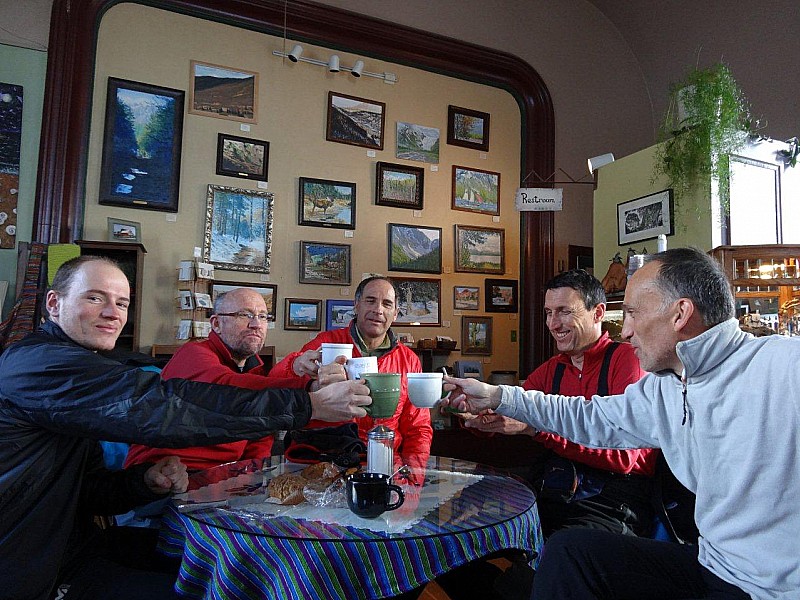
column 242, row 157
column 141, row 162
column 400, row 186
column 223, row 92
column 418, row 301
column 468, row 128
column 355, row 121
column 415, row 249
column 476, row 190
column 417, row 142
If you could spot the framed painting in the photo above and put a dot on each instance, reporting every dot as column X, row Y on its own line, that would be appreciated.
column 302, row 314
column 400, row 186
column 141, row 161
column 645, row 218
column 223, row 92
column 468, row 128
column 238, row 229
column 415, row 249
column 267, row 291
column 480, row 250
column 476, row 190
column 476, row 335
column 11, row 106
column 124, row 231
column 417, row 142
column 501, row 295
column 418, row 301
column 327, row 203
column 466, row 297
column 242, row 157
column 327, row 264
column 355, row 121
column 338, row 313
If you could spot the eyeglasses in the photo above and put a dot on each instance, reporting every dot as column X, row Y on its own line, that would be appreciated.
column 246, row 315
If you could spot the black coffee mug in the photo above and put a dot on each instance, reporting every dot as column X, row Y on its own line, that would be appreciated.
column 369, row 494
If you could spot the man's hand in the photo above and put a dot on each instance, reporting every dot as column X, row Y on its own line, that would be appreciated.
column 167, row 475
column 494, row 423
column 330, row 374
column 307, row 364
column 341, row 401
column 471, row 395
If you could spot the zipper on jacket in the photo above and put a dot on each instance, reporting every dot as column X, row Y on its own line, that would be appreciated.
column 685, row 405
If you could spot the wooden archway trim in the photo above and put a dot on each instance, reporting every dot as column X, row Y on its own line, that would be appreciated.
column 58, row 213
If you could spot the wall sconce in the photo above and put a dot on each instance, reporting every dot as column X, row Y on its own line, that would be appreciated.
column 333, row 64
column 600, row 161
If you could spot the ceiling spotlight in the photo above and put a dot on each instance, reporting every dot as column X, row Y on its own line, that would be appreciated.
column 358, row 68
column 333, row 63
column 600, row 161
column 296, row 53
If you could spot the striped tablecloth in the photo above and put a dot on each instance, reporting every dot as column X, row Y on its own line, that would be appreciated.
column 225, row 555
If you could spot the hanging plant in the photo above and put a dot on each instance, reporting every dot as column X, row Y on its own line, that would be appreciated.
column 707, row 119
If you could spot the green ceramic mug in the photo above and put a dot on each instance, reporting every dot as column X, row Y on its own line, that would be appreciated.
column 384, row 388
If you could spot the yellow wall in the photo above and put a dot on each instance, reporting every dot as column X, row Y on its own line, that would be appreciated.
column 154, row 46
column 629, row 178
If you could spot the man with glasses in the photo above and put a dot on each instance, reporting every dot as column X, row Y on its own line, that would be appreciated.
column 228, row 356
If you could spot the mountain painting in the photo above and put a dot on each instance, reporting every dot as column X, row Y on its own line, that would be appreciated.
column 142, row 146
column 415, row 249
column 355, row 121
column 475, row 190
column 415, row 142
column 224, row 92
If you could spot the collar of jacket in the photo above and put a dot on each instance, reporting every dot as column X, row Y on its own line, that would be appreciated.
column 219, row 347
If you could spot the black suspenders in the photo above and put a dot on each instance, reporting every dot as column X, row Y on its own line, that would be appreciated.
column 602, row 382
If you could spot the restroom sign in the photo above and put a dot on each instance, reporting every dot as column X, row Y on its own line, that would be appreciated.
column 538, row 199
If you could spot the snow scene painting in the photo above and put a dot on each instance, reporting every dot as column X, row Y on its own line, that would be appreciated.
column 416, row 142
column 418, row 301
column 238, row 229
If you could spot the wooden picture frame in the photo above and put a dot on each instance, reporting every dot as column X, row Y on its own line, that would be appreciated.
column 475, row 190
column 324, row 263
column 417, row 142
column 338, row 313
column 468, row 128
column 418, row 301
column 466, row 297
column 326, row 203
column 141, row 171
column 400, row 186
column 124, row 231
column 238, row 233
column 480, row 250
column 502, row 295
column 476, row 335
column 242, row 157
column 302, row 314
column 268, row 291
column 223, row 92
column 355, row 121
column 645, row 218
column 415, row 249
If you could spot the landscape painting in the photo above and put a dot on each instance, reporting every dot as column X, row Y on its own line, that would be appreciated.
column 326, row 203
column 418, row 301
column 468, row 128
column 223, row 92
column 416, row 142
column 400, row 186
column 480, row 249
column 242, row 157
column 141, row 146
column 355, row 121
column 476, row 335
column 267, row 291
column 302, row 314
column 338, row 313
column 466, row 297
column 475, row 190
column 238, row 229
column 416, row 249
column 324, row 263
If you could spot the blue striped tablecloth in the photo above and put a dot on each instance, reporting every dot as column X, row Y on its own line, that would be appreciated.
column 225, row 555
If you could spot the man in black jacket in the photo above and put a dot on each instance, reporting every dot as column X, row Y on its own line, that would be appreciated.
column 58, row 396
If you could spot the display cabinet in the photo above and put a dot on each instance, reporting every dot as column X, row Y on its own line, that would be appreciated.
column 766, row 285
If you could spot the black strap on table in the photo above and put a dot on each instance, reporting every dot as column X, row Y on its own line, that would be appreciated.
column 602, row 382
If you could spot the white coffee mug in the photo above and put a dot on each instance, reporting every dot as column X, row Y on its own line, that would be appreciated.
column 331, row 351
column 425, row 390
column 361, row 364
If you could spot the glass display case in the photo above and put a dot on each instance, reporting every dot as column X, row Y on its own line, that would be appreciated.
column 766, row 285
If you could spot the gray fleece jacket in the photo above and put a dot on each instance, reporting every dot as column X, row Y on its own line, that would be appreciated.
column 738, row 449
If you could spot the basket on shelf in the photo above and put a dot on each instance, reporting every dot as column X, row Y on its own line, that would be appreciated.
column 426, row 343
column 446, row 344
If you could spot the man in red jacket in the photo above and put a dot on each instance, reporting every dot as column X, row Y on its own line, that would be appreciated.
column 369, row 332
column 229, row 356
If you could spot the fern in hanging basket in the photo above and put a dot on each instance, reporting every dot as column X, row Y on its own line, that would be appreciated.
column 707, row 119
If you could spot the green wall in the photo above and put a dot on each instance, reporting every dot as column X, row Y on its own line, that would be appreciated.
column 20, row 66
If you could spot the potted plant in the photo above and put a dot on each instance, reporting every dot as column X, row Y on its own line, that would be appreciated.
column 707, row 119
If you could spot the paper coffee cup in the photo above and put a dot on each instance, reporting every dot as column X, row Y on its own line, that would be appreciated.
column 331, row 351
column 361, row 364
